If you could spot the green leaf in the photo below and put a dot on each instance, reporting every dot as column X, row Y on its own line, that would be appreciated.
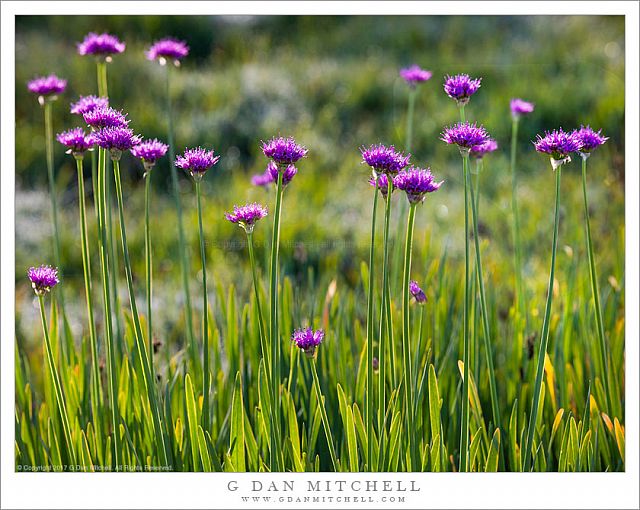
column 192, row 417
column 236, row 438
column 494, row 451
column 204, row 451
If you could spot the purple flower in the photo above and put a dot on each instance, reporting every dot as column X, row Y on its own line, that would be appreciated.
column 383, row 184
column 43, row 278
column 417, row 292
column 460, row 87
column 270, row 175
column 307, row 340
column 197, row 161
column 86, row 104
column 414, row 75
column 416, row 183
column 479, row 151
column 76, row 141
column 283, row 151
column 116, row 140
column 383, row 159
column 246, row 216
column 149, row 152
column 465, row 135
column 558, row 144
column 520, row 107
column 103, row 45
column 263, row 179
column 47, row 87
column 589, row 138
column 167, row 49
column 105, row 116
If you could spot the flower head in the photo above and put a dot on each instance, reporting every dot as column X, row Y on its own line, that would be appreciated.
column 149, row 152
column 263, row 179
column 414, row 75
column 416, row 183
column 461, row 87
column 383, row 184
column 383, row 159
column 86, row 104
column 116, row 140
column 270, row 175
column 283, row 151
column 76, row 141
column 43, row 279
column 102, row 45
column 307, row 340
column 105, row 116
column 589, row 138
column 167, row 49
column 465, row 135
column 47, row 88
column 247, row 215
column 520, row 107
column 479, row 151
column 197, row 161
column 417, row 292
column 559, row 145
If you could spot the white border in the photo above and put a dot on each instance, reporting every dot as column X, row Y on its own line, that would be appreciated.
column 506, row 490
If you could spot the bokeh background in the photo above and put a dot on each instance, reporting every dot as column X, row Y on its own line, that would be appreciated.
column 333, row 84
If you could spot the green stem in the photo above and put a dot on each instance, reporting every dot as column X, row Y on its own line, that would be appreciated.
column 544, row 336
column 409, row 388
column 370, row 306
column 56, row 383
column 274, row 334
column 96, row 389
column 596, row 293
column 106, row 299
column 148, row 266
column 323, row 414
column 182, row 246
column 464, row 428
column 149, row 382
column 256, row 290
column 206, row 382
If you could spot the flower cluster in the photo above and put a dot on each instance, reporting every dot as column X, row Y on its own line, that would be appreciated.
column 197, row 161
column 307, row 340
column 167, row 49
column 247, row 215
column 116, row 140
column 43, row 279
column 559, row 145
column 149, row 152
column 283, row 151
column 465, row 135
column 76, row 141
column 86, row 104
column 416, row 183
column 461, row 87
column 589, row 139
column 105, row 116
column 479, row 151
column 270, row 175
column 101, row 45
column 383, row 159
column 47, row 88
column 417, row 292
column 383, row 184
column 414, row 75
column 520, row 107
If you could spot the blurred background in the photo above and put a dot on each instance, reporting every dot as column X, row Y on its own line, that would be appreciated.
column 333, row 84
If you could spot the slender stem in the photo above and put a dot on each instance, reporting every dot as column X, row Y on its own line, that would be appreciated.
column 406, row 335
column 55, row 378
column 323, row 415
column 275, row 334
column 182, row 246
column 370, row 306
column 206, row 383
column 96, row 389
column 544, row 336
column 149, row 382
column 106, row 299
column 410, row 109
column 521, row 307
column 595, row 292
column 464, row 428
column 148, row 263
column 256, row 290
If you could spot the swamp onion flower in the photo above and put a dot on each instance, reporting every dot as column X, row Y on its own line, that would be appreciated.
column 101, row 45
column 383, row 159
column 465, row 135
column 116, row 140
column 86, row 104
column 197, row 161
column 461, row 87
column 105, row 116
column 520, row 107
column 270, row 175
column 416, row 183
column 417, row 292
column 283, row 151
column 149, row 152
column 76, row 141
column 246, row 216
column 559, row 145
column 307, row 340
column 47, row 88
column 167, row 49
column 414, row 75
column 43, row 279
column 479, row 151
column 589, row 139
column 383, row 184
